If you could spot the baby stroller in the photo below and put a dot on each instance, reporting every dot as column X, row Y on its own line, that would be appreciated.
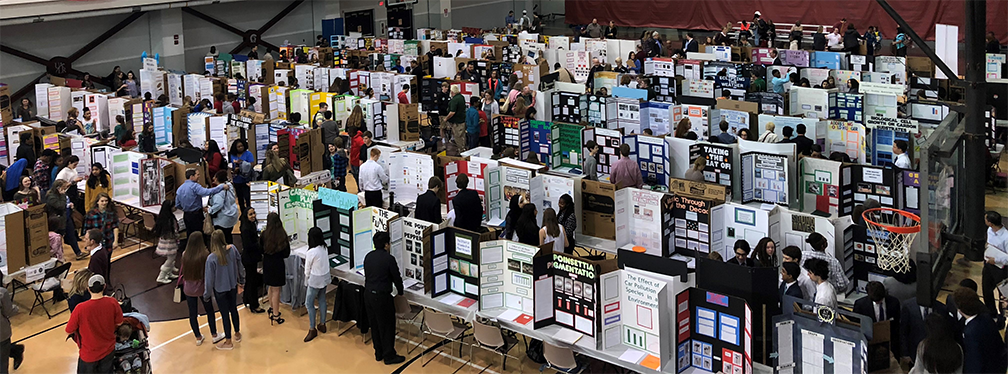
column 132, row 356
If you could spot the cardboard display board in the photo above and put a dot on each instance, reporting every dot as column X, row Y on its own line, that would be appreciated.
column 333, row 214
column 509, row 180
column 623, row 113
column 476, row 171
column 566, row 145
column 765, row 178
column 455, row 263
column 367, row 221
column 846, row 106
column 506, row 278
column 637, row 315
column 881, row 145
column 657, row 116
column 737, row 120
column 296, row 211
column 125, row 172
column 545, row 191
column 541, row 140
column 843, row 136
column 699, row 117
column 808, row 102
column 598, row 209
column 567, row 292
column 714, row 332
column 720, row 159
column 803, row 340
column 639, row 220
column 263, row 198
column 412, row 251
column 594, row 110
column 861, row 182
column 152, row 181
column 410, row 173
column 652, row 155
column 511, row 131
column 687, row 224
column 819, row 186
column 731, row 222
column 769, row 102
column 609, row 141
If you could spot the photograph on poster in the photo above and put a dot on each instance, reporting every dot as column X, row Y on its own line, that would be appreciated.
column 764, row 178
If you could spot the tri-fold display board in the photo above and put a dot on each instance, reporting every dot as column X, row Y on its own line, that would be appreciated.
column 506, row 270
column 567, row 292
column 823, row 340
column 713, row 332
column 333, row 215
column 366, row 222
column 412, row 250
column 652, row 155
column 455, row 262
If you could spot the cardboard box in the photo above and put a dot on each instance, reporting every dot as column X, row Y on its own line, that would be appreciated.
column 598, row 209
column 743, row 106
column 267, row 77
column 37, row 240
column 14, row 227
column 310, row 151
column 700, row 190
column 409, row 122
column 920, row 65
column 6, row 109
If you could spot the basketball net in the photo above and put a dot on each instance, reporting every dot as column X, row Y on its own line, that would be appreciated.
column 893, row 231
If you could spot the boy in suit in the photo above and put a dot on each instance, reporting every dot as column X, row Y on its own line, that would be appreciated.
column 789, row 286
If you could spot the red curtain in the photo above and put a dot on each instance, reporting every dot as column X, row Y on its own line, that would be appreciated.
column 713, row 14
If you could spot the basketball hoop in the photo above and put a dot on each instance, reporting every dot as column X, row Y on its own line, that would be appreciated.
column 893, row 231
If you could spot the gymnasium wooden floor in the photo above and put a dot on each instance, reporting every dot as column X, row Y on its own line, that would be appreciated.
column 280, row 349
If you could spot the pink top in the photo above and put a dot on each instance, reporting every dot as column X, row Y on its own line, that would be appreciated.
column 626, row 173
column 56, row 246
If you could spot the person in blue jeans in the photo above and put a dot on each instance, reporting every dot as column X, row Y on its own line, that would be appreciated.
column 317, row 277
column 191, row 281
column 224, row 278
column 242, row 162
column 472, row 122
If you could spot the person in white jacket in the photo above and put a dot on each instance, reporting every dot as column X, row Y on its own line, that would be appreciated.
column 317, row 277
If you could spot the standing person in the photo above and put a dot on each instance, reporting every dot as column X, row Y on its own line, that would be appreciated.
column 514, row 212
column 881, row 306
column 900, row 43
column 224, row 279
column 594, row 30
column 92, row 324
column 765, row 254
column 99, row 181
column 567, row 219
column 509, row 21
column 428, row 206
column 373, row 180
column 653, row 45
column 696, row 170
column 901, row 159
column 276, row 248
column 741, row 249
column 467, row 205
column 496, row 86
column 726, row 137
column 851, row 40
column 252, row 253
column 104, row 218
column 223, row 207
column 330, row 129
column 214, row 159
column 802, row 143
column 778, row 82
column 27, row 194
column 871, row 39
column 993, row 46
column 26, row 151
column 611, row 31
column 147, row 140
column 456, row 117
column 472, row 124
column 88, row 122
column 25, row 111
column 320, row 114
column 590, row 166
column 317, row 277
column 120, row 129
column 768, row 135
column 131, row 85
column 837, row 278
column 193, row 273
column 489, row 104
column 794, row 255
column 101, row 257
column 994, row 270
column 277, row 169
column 984, row 351
column 552, row 232
column 166, row 230
column 819, row 39
column 381, row 273
column 527, row 227
column 189, row 198
column 787, row 132
column 789, row 281
column 242, row 163
column 336, row 162
column 940, row 351
column 72, row 124
column 819, row 273
column 625, row 172
column 8, row 350
column 58, row 204
column 42, row 171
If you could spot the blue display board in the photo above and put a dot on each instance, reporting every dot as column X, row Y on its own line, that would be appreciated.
column 881, row 145
column 829, row 60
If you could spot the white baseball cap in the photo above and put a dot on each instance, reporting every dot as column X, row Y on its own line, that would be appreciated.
column 758, row 14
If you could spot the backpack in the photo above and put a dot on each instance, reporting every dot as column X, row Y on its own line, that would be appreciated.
column 535, row 351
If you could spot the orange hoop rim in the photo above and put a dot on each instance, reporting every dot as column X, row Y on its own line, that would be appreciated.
column 896, row 229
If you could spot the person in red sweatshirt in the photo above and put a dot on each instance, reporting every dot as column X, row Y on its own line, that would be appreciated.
column 93, row 323
column 356, row 142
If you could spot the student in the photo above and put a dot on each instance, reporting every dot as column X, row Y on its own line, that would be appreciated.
column 93, row 325
column 725, row 137
column 472, row 123
column 366, row 143
column 984, row 351
column 940, row 352
column 566, row 218
column 899, row 148
column 467, row 205
column 27, row 194
column 803, row 143
column 552, row 232
column 696, row 170
column 794, row 255
column 56, row 228
column 194, row 260
column 912, row 328
column 881, row 307
column 625, row 172
column 900, row 43
column 276, row 248
column 223, row 279
column 819, row 273
column 242, row 163
column 103, row 217
column 251, row 255
column 214, row 159
column 778, row 82
column 189, row 198
column 320, row 115
column 147, row 140
column 42, row 170
column 787, row 133
column 373, row 180
column 994, row 270
column 765, row 254
column 743, row 134
column 527, row 227
column 789, row 281
column 590, row 165
column 428, row 206
column 381, row 273
column 517, row 202
column 741, row 249
column 837, row 278
column 336, row 162
column 223, row 207
column 166, row 230
column 317, row 278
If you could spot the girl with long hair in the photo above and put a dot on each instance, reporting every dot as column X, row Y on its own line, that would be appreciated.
column 148, row 141
column 166, row 231
column 939, row 352
column 213, row 157
column 103, row 217
column 58, row 204
column 527, row 229
column 242, row 162
column 552, row 232
column 224, row 279
column 251, row 255
column 765, row 254
column 567, row 219
column 514, row 212
column 99, row 181
column 317, row 277
column 356, row 119
column 79, row 291
column 276, row 248
column 27, row 194
column 277, row 168
column 193, row 271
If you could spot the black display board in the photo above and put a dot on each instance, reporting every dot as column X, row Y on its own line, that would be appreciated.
column 455, row 262
column 429, row 88
column 719, row 162
column 757, row 285
column 566, row 107
column 571, row 286
column 861, row 182
column 688, row 228
column 712, row 330
column 665, row 87
column 769, row 102
column 337, row 229
column 765, row 178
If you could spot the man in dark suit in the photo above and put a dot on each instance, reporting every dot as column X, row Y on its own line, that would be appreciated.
column 653, row 46
column 913, row 329
column 428, row 205
column 803, row 144
column 881, row 307
column 690, row 44
column 467, row 205
column 741, row 254
column 950, row 304
column 790, row 272
column 983, row 349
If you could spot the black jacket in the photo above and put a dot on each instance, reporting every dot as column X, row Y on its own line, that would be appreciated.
column 850, row 39
column 983, row 349
column 819, row 41
column 349, row 305
column 912, row 328
column 147, row 143
column 381, row 272
column 27, row 152
column 428, row 207
column 653, row 47
column 803, row 145
column 691, row 46
column 251, row 251
column 793, row 291
column 864, row 306
column 468, row 210
column 748, row 261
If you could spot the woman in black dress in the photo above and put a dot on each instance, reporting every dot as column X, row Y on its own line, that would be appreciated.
column 527, row 227
column 276, row 248
column 251, row 255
